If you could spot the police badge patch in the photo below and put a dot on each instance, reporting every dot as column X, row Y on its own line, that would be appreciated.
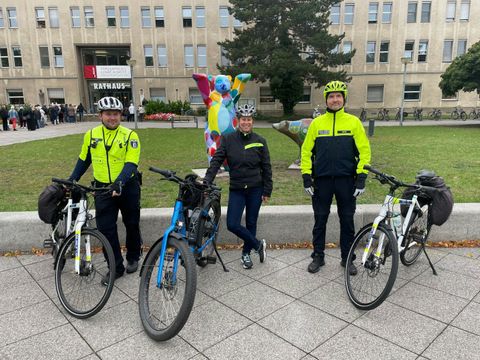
column 134, row 144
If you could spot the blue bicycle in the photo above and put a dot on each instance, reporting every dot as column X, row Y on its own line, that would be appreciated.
column 168, row 275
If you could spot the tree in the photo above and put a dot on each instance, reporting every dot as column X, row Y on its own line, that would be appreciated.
column 285, row 42
column 463, row 73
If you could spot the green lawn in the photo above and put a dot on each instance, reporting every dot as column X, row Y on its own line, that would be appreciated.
column 450, row 151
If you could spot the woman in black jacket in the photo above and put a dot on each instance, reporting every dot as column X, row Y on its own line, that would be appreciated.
column 250, row 181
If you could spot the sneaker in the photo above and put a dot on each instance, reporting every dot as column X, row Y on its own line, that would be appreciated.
column 247, row 261
column 262, row 250
column 132, row 266
column 316, row 264
column 106, row 277
column 352, row 269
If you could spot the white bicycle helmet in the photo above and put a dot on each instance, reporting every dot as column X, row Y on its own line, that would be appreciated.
column 246, row 110
column 109, row 103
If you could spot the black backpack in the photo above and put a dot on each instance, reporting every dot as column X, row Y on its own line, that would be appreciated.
column 50, row 203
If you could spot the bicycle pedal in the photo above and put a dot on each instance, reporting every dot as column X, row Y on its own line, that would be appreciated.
column 48, row 243
column 211, row 259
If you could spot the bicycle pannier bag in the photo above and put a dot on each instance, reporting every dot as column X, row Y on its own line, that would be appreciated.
column 50, row 202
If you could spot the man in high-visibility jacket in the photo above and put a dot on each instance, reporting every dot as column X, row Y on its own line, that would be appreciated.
column 333, row 155
column 114, row 152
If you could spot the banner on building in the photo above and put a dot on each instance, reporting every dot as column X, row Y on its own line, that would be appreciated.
column 106, row 72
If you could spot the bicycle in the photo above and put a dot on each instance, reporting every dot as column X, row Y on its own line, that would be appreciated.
column 363, row 115
column 417, row 114
column 458, row 113
column 82, row 253
column 168, row 275
column 381, row 243
column 383, row 114
column 474, row 114
column 435, row 114
column 398, row 114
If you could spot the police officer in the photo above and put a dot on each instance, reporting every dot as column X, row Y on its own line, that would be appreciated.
column 114, row 152
column 332, row 159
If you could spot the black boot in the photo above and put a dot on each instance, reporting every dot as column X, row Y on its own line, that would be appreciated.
column 317, row 262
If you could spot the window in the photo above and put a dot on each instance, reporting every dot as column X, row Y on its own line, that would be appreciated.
column 465, row 10
column 57, row 56
column 15, row 96
column 451, row 7
column 307, row 94
column 17, row 56
column 44, row 57
column 111, row 19
column 266, row 95
column 426, row 9
column 409, row 44
column 159, row 17
column 4, row 58
column 148, row 54
column 347, row 48
column 375, row 93
column 89, row 19
column 53, row 17
column 75, row 15
column 447, row 50
column 335, row 14
column 12, row 17
column 146, row 18
column 412, row 92
column 372, row 13
column 188, row 56
column 422, row 50
column 224, row 17
column 223, row 57
column 40, row 17
column 237, row 23
column 201, row 56
column 200, row 17
column 461, row 47
column 370, row 52
column 195, row 96
column 158, row 94
column 384, row 45
column 187, row 16
column 412, row 12
column 124, row 17
column 387, row 13
column 162, row 56
column 349, row 11
column 56, row 95
column 2, row 22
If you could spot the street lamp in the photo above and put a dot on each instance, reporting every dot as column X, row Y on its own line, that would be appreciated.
column 405, row 61
column 131, row 63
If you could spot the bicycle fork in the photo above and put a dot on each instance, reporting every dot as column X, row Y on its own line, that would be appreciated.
column 80, row 222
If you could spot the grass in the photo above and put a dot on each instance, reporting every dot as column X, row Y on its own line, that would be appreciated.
column 452, row 152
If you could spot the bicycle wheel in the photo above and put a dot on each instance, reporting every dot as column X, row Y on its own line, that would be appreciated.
column 83, row 294
column 454, row 115
column 166, row 305
column 417, row 235
column 375, row 279
column 207, row 227
column 463, row 115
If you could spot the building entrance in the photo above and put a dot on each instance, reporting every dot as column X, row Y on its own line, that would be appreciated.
column 98, row 89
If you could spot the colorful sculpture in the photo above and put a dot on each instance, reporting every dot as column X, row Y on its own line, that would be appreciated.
column 220, row 98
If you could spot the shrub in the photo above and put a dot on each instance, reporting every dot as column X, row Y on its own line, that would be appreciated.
column 176, row 107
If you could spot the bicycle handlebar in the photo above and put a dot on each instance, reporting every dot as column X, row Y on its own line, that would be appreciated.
column 170, row 175
column 71, row 184
column 384, row 178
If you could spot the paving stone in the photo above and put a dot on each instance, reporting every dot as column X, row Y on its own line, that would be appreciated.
column 31, row 259
column 215, row 282
column 469, row 318
column 210, row 323
column 129, row 284
column 255, row 300
column 14, row 296
column 355, row 343
column 303, row 325
column 468, row 252
column 330, row 271
column 259, row 270
column 262, row 344
column 9, row 262
column 140, row 346
column 454, row 344
column 14, row 276
column 401, row 326
column 59, row 343
column 332, row 298
column 477, row 298
column 294, row 255
column 41, row 269
column 428, row 301
column 461, row 264
column 199, row 357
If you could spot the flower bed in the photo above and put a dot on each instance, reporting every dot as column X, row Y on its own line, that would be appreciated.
column 160, row 117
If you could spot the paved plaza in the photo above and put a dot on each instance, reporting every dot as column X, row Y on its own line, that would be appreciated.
column 275, row 311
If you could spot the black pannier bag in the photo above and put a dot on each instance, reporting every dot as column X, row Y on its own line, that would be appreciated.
column 50, row 202
column 441, row 200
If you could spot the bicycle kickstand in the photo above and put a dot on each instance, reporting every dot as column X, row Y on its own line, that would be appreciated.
column 428, row 258
column 219, row 257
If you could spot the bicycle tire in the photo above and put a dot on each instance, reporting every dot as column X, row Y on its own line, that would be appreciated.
column 156, row 304
column 83, row 295
column 205, row 227
column 463, row 115
column 363, row 295
column 454, row 115
column 472, row 115
column 417, row 235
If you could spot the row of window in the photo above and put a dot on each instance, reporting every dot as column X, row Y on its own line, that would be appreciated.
column 387, row 9
column 411, row 92
column 149, row 17
column 43, row 52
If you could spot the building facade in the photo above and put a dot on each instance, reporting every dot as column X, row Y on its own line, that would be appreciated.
column 74, row 52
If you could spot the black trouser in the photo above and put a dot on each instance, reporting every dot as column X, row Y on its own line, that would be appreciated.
column 325, row 187
column 107, row 208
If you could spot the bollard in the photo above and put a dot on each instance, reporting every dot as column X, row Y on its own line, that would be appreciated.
column 371, row 127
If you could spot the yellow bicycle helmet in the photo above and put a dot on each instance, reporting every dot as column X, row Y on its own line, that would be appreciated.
column 335, row 86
